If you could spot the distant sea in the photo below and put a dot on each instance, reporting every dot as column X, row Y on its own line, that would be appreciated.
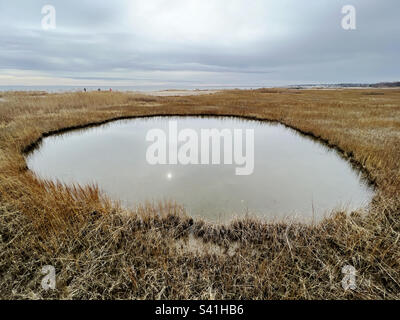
column 55, row 89
column 58, row 89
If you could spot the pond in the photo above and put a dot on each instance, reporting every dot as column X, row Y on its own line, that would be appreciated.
column 261, row 169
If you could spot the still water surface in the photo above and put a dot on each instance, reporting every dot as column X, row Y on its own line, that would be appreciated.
column 293, row 176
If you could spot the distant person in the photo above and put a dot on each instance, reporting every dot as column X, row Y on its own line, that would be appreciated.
column 98, row 89
column 84, row 89
column 110, row 90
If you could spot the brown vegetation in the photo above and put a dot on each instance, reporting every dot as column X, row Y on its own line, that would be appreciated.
column 102, row 251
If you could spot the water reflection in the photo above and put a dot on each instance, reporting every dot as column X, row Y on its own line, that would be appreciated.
column 293, row 176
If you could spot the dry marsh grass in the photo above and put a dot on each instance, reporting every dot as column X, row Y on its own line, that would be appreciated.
column 101, row 251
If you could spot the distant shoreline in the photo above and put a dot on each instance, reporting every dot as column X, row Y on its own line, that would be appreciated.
column 161, row 89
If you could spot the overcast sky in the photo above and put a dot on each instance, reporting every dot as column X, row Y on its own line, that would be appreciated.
column 198, row 42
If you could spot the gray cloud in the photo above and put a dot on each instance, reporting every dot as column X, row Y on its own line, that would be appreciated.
column 201, row 42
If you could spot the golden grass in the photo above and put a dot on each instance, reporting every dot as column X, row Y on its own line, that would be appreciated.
column 102, row 251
